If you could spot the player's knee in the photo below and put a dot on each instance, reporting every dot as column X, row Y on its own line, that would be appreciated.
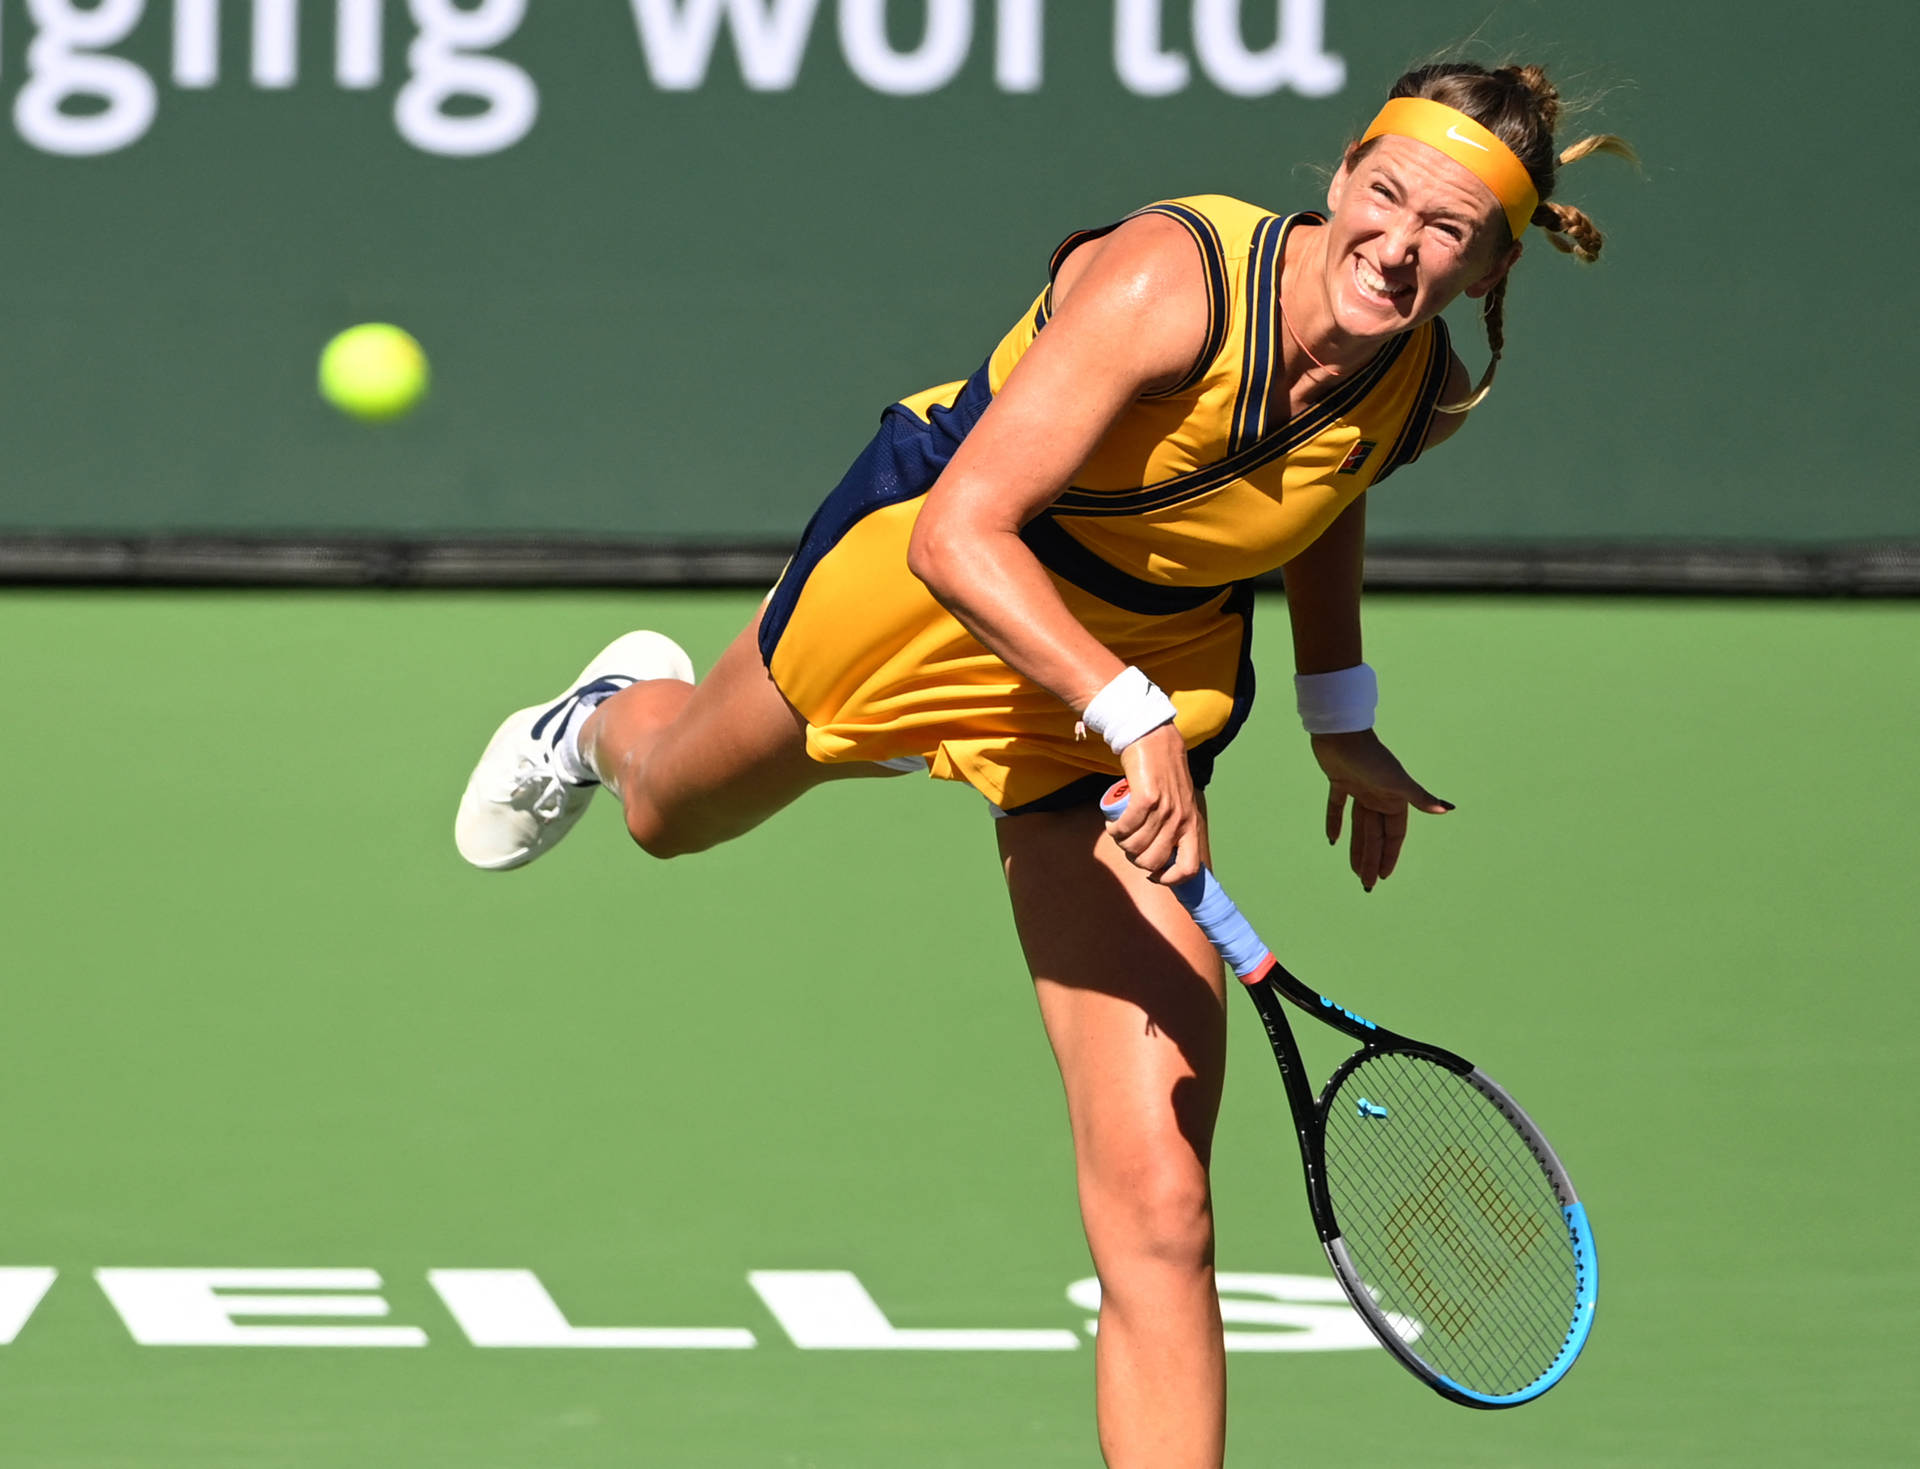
column 1156, row 1217
column 658, row 834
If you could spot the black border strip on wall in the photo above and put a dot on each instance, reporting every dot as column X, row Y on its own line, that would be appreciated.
column 1859, row 569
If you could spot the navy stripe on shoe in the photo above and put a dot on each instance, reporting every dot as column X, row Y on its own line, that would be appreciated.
column 588, row 695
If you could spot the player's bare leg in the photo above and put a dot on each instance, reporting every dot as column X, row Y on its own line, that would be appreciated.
column 1133, row 1002
column 697, row 765
column 691, row 766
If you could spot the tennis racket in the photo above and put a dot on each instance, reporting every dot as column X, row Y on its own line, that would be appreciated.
column 1451, row 1225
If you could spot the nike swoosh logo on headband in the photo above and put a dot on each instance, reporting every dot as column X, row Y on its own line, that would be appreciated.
column 1460, row 137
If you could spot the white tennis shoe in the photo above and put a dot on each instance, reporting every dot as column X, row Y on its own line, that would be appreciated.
column 518, row 804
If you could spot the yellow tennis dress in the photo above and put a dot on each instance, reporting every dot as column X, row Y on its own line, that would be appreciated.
column 1194, row 491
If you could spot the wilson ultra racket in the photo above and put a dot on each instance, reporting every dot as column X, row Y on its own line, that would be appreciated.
column 1451, row 1225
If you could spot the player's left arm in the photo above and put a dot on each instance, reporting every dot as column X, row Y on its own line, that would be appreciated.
column 1323, row 604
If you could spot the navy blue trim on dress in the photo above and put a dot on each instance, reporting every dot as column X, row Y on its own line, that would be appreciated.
column 1213, row 255
column 900, row 463
column 1209, row 477
column 1044, row 312
column 1201, row 757
column 1086, row 790
column 1073, row 562
column 1413, row 433
column 1257, row 357
column 1073, row 242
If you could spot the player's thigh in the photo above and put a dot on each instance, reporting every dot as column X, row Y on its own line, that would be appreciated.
column 1131, row 994
column 735, row 753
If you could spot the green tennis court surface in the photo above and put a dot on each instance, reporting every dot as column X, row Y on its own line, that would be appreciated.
column 257, row 1016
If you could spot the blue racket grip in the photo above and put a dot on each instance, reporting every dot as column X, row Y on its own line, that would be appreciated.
column 1219, row 917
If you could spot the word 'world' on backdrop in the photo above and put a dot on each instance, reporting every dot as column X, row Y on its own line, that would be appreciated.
column 457, row 98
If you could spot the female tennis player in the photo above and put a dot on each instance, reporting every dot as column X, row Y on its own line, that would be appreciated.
column 1035, row 580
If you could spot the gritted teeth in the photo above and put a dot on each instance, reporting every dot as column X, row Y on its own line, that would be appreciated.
column 1375, row 284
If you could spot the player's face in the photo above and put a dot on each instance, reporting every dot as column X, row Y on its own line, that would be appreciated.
column 1409, row 230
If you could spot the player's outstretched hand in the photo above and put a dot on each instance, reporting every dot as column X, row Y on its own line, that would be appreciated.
column 1160, row 830
column 1362, row 770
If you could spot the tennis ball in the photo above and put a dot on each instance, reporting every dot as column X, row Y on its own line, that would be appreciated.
column 373, row 371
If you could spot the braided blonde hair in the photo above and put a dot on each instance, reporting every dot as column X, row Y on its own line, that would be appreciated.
column 1521, row 107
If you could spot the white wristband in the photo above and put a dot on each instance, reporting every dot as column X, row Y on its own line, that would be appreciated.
column 1130, row 706
column 1339, row 702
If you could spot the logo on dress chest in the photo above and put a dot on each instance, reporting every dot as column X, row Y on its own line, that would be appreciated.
column 1357, row 456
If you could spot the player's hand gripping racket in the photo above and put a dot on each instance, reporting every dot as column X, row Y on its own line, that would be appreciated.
column 1450, row 1223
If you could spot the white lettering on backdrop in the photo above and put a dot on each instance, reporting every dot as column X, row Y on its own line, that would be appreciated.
column 677, row 38
column 1295, row 59
column 927, row 67
column 64, row 66
column 445, row 63
column 460, row 100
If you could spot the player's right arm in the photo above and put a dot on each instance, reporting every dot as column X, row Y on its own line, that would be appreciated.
column 1130, row 315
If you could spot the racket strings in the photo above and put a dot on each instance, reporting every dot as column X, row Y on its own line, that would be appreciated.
column 1443, row 1249
column 1451, row 1221
column 1441, row 1261
column 1450, row 1243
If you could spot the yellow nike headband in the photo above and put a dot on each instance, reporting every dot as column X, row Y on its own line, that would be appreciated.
column 1468, row 144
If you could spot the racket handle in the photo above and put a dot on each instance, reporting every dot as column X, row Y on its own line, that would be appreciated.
column 1220, row 919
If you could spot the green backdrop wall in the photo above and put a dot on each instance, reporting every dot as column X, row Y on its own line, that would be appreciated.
column 671, row 257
